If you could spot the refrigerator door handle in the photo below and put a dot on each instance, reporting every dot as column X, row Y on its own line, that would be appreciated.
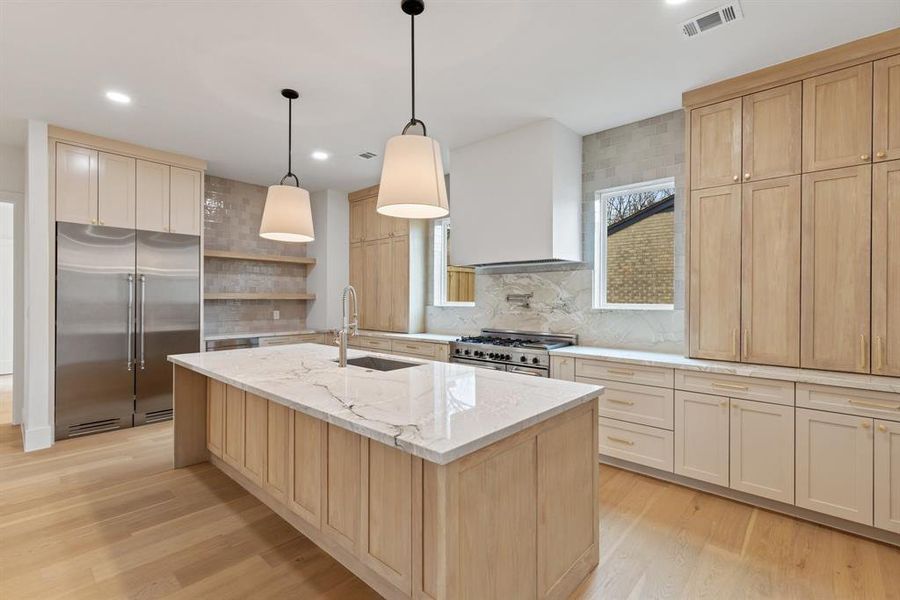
column 143, row 279
column 130, row 321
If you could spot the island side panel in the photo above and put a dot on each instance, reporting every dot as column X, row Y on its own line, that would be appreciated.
column 189, row 413
column 518, row 519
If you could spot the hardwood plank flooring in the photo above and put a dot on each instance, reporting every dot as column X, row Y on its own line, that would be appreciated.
column 106, row 516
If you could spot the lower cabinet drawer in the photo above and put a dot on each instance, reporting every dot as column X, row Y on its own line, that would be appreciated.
column 640, row 404
column 865, row 403
column 735, row 386
column 423, row 349
column 639, row 444
column 613, row 371
column 373, row 343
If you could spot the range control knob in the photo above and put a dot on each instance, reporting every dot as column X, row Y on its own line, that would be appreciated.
column 467, row 353
column 523, row 359
column 535, row 360
column 507, row 357
column 457, row 351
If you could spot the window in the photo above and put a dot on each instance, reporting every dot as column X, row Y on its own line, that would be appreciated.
column 453, row 286
column 634, row 246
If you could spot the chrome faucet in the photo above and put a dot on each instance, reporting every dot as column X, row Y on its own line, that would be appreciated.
column 347, row 328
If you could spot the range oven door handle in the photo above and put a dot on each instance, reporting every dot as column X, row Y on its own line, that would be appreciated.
column 526, row 371
column 143, row 280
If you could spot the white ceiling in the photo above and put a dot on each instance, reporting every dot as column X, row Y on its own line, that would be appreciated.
column 205, row 76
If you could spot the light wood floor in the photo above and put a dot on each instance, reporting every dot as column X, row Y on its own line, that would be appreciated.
column 106, row 516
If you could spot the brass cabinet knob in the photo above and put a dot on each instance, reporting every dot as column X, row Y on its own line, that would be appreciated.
column 882, row 428
column 880, row 154
column 864, row 157
column 93, row 221
column 865, row 424
column 735, row 178
column 746, row 175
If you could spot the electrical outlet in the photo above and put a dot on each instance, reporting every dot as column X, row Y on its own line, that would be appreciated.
column 276, row 314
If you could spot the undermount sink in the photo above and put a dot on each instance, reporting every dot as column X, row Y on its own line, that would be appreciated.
column 379, row 364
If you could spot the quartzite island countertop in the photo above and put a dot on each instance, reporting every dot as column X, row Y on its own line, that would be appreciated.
column 437, row 481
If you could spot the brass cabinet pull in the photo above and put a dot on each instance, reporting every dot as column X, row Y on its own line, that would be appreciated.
column 864, row 157
column 736, row 178
column 862, row 352
column 880, row 358
column 871, row 404
column 865, row 425
column 621, row 372
column 882, row 428
column 747, row 343
column 734, row 343
column 620, row 440
column 617, row 401
column 746, row 175
column 880, row 154
column 730, row 386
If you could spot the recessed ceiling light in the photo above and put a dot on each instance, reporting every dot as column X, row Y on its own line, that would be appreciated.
column 118, row 97
column 320, row 155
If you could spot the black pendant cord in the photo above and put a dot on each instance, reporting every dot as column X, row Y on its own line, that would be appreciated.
column 290, row 141
column 413, row 121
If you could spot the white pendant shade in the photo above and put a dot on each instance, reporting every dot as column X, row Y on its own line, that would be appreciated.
column 412, row 179
column 287, row 216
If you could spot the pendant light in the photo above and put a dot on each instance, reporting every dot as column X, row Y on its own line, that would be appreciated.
column 287, row 216
column 412, row 176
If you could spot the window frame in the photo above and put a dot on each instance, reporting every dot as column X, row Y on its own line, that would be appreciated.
column 439, row 262
column 599, row 287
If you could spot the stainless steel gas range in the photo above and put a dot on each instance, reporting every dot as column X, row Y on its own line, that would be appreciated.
column 524, row 352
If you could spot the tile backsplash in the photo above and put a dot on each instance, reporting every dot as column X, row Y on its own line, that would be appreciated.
column 232, row 213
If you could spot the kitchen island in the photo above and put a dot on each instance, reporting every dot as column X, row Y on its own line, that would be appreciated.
column 436, row 480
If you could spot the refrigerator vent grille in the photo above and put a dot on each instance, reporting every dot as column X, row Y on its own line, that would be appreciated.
column 94, row 427
column 159, row 415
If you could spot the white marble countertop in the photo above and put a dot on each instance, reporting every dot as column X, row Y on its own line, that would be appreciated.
column 657, row 359
column 437, row 411
column 439, row 338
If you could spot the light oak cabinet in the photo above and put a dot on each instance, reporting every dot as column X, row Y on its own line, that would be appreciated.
column 701, row 437
column 836, row 264
column 343, row 473
column 761, row 452
column 152, row 196
column 276, row 479
column 770, row 290
column 215, row 416
column 716, row 144
column 116, row 191
column 307, row 467
column 76, row 184
column 185, row 195
column 834, row 464
column 837, row 119
column 886, row 108
column 256, row 431
column 772, row 132
column 886, row 268
column 887, row 475
column 387, row 266
column 233, row 439
column 715, row 272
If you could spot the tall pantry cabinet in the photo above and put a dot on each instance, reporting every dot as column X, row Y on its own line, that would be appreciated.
column 815, row 282
column 387, row 266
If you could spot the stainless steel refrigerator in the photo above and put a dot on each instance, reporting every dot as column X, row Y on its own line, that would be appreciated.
column 125, row 299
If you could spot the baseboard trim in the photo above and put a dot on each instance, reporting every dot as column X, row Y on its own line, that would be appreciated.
column 37, row 438
column 866, row 531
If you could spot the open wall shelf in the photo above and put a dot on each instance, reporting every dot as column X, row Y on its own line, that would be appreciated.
column 258, row 296
column 227, row 254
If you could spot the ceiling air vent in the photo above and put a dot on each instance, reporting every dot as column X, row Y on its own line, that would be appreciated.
column 712, row 19
column 366, row 155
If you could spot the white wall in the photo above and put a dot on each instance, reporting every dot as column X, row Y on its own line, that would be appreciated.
column 7, row 217
column 12, row 190
column 37, row 366
column 331, row 249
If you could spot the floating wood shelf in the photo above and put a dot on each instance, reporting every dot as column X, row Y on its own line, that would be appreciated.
column 297, row 260
column 258, row 296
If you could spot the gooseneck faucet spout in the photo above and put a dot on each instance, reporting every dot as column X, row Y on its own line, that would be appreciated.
column 348, row 328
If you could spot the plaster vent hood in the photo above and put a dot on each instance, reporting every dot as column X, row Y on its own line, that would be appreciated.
column 516, row 198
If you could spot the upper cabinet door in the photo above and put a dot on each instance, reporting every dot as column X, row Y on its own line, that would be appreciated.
column 836, row 264
column 886, row 268
column 716, row 144
column 76, row 184
column 185, row 215
column 371, row 219
column 715, row 263
column 116, row 190
column 383, row 286
column 837, row 119
column 357, row 222
column 770, row 291
column 772, row 126
column 400, row 282
column 399, row 227
column 886, row 102
column 152, row 196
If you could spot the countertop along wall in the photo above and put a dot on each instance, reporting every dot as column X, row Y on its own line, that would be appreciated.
column 231, row 215
column 642, row 151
